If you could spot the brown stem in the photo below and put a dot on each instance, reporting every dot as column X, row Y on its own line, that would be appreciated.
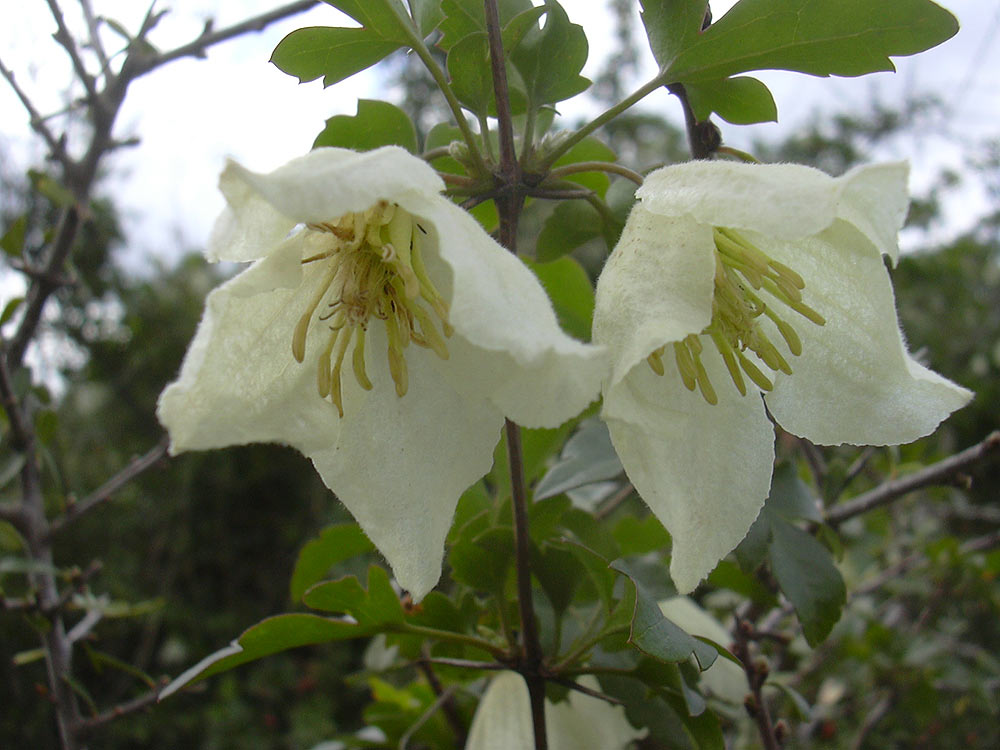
column 703, row 137
column 103, row 493
column 934, row 474
column 447, row 701
column 756, row 674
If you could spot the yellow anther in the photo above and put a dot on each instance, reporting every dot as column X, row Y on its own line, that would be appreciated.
column 358, row 359
column 685, row 365
column 753, row 372
column 729, row 357
column 655, row 360
column 373, row 270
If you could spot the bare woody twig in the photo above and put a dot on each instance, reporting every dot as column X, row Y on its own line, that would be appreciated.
column 136, row 704
column 35, row 118
column 936, row 473
column 208, row 38
column 68, row 43
column 103, row 493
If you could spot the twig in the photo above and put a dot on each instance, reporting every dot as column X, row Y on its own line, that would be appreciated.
column 445, row 700
column 874, row 717
column 489, row 666
column 756, row 673
column 20, row 429
column 856, row 467
column 44, row 284
column 93, row 32
column 596, row 166
column 404, row 741
column 136, row 704
column 611, row 504
column 703, row 137
column 208, row 38
column 68, row 43
column 35, row 118
column 103, row 493
column 586, row 690
column 934, row 474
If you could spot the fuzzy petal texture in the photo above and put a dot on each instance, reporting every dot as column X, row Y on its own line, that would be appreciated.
column 398, row 463
column 503, row 720
column 705, row 470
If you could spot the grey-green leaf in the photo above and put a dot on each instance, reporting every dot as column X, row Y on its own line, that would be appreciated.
column 587, row 457
column 806, row 574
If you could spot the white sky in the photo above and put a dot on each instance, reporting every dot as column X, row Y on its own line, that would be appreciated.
column 192, row 114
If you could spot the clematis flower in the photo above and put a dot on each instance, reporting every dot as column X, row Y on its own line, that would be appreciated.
column 733, row 280
column 503, row 720
column 381, row 332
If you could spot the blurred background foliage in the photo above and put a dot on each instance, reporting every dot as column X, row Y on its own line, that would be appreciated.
column 203, row 546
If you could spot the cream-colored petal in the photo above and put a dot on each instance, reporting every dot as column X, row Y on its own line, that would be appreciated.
column 249, row 227
column 239, row 383
column 703, row 470
column 327, row 183
column 656, row 288
column 400, row 464
column 875, row 199
column 503, row 720
column 503, row 717
column 508, row 346
column 780, row 200
column 854, row 382
column 582, row 722
column 724, row 679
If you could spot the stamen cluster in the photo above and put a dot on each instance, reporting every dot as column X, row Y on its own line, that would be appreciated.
column 742, row 270
column 373, row 269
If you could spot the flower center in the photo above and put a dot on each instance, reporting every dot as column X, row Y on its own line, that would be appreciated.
column 742, row 270
column 374, row 268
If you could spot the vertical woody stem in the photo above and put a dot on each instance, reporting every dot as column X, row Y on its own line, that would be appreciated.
column 509, row 201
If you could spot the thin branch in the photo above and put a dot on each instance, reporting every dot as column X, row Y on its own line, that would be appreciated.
column 874, row 716
column 208, row 38
column 68, row 43
column 136, row 466
column 20, row 428
column 608, row 506
column 936, row 473
column 36, row 120
column 756, row 674
column 404, row 741
column 587, row 691
column 597, row 166
column 129, row 707
column 94, row 33
column 445, row 700
column 489, row 666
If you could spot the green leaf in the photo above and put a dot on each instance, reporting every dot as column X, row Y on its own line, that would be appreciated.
column 641, row 536
column 561, row 42
column 789, row 499
column 671, row 26
column 331, row 53
column 587, row 457
column 806, row 574
column 387, row 18
column 51, row 189
column 472, row 81
column 559, row 572
column 464, row 17
column 658, row 637
column 376, row 607
column 12, row 241
column 334, row 545
column 589, row 149
column 571, row 292
column 846, row 38
column 427, row 14
column 571, row 224
column 741, row 101
column 10, row 308
column 376, row 124
column 482, row 563
column 267, row 637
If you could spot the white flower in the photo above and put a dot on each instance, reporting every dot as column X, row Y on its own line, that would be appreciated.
column 582, row 722
column 737, row 277
column 381, row 332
